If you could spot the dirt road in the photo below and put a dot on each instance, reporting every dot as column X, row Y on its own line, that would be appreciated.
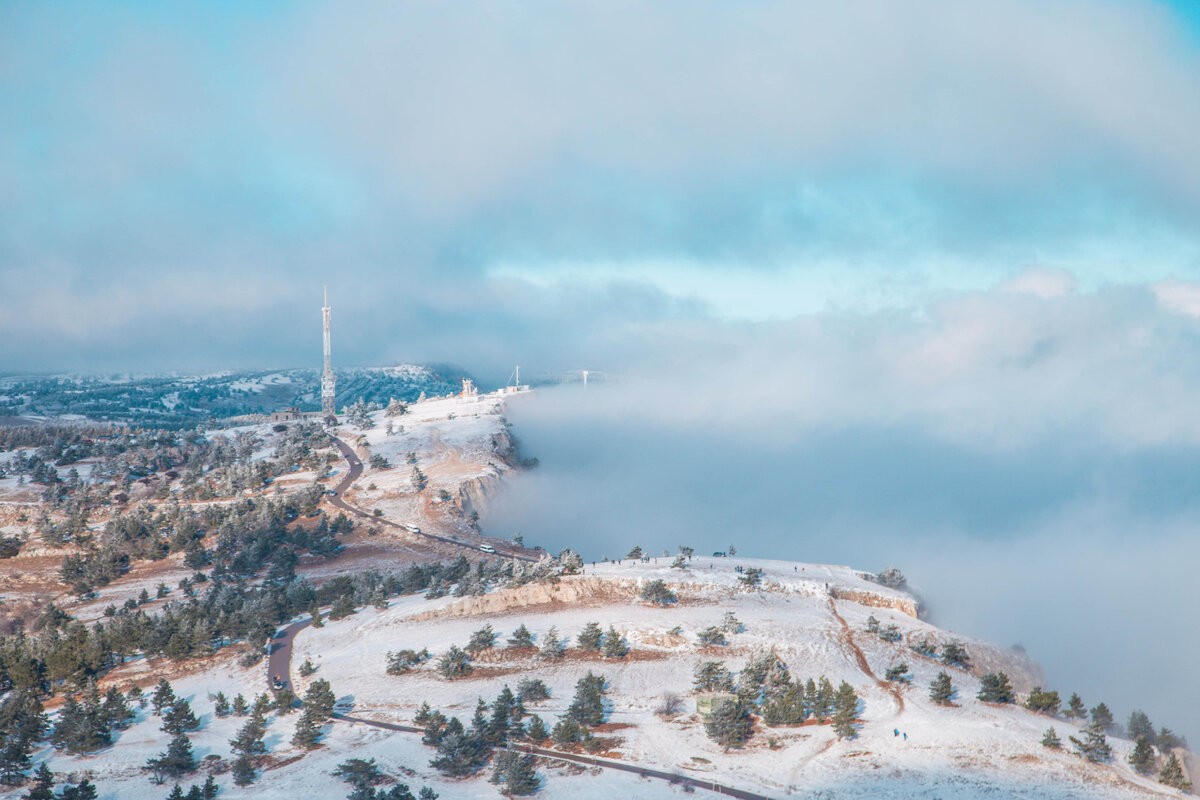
column 338, row 500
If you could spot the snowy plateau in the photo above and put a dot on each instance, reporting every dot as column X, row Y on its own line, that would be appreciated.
column 818, row 620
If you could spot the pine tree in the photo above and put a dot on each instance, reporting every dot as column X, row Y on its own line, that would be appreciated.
column 482, row 639
column 590, row 638
column 567, row 732
column 941, row 690
column 516, row 773
column 1075, row 708
column 730, row 724
column 1140, row 726
column 1094, row 746
column 845, row 711
column 614, row 644
column 176, row 793
column 1142, row 757
column 307, row 731
column 163, row 696
column 995, row 688
column 319, row 700
column 552, row 647
column 210, row 789
column 314, row 611
column 179, row 718
column 536, row 731
column 532, row 690
column 1042, row 702
column 459, row 753
column 955, row 655
column 84, row 790
column 711, row 676
column 116, row 710
column 587, row 707
column 243, row 770
column 1102, row 718
column 240, row 707
column 1171, row 774
column 899, row 673
column 43, row 784
column 249, row 741
column 455, row 663
column 1050, row 739
column 221, row 705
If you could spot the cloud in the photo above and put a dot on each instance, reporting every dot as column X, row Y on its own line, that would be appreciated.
column 867, row 155
column 1029, row 461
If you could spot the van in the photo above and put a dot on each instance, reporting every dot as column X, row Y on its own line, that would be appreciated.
column 487, row 548
column 412, row 528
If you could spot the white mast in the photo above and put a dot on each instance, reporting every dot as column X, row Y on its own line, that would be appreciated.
column 328, row 381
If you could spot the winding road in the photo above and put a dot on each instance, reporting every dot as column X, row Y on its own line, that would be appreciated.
column 338, row 500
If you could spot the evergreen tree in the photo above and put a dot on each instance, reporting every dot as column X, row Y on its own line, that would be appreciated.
column 553, row 647
column 84, row 790
column 177, row 760
column 179, row 718
column 221, row 705
column 1102, row 718
column 658, row 593
column 995, row 688
column 249, row 741
column 455, row 663
column 1042, row 702
column 1094, row 746
column 81, row 726
column 1172, row 774
column 536, row 731
column 1140, row 726
column 590, row 638
column 845, row 711
column 116, row 710
column 319, row 700
column 614, row 644
column 532, row 690
column 210, row 789
column 1142, row 757
column 176, row 793
column 43, row 784
column 482, row 639
column 515, row 773
column 712, row 676
column 359, row 772
column 955, row 655
column 459, row 753
column 240, row 706
column 243, row 770
column 822, row 699
column 941, row 690
column 308, row 733
column 899, row 673
column 1075, row 708
column 1050, row 739
column 587, row 707
column 163, row 696
column 730, row 724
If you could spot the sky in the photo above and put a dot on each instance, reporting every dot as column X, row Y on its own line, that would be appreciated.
column 869, row 282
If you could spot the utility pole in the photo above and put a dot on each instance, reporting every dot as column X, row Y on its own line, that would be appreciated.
column 328, row 381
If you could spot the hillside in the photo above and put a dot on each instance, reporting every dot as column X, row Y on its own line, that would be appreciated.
column 386, row 588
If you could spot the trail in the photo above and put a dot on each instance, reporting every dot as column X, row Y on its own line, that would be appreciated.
column 846, row 637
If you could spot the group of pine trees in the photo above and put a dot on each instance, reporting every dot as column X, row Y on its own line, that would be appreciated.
column 364, row 776
column 765, row 687
column 465, row 750
column 456, row 662
column 1151, row 751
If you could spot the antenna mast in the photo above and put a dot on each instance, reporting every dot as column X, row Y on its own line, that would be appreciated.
column 328, row 381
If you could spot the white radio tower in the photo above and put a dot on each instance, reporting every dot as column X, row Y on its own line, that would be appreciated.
column 328, row 382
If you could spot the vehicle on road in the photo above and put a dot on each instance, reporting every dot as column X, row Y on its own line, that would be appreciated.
column 331, row 492
column 487, row 548
column 412, row 528
column 278, row 683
